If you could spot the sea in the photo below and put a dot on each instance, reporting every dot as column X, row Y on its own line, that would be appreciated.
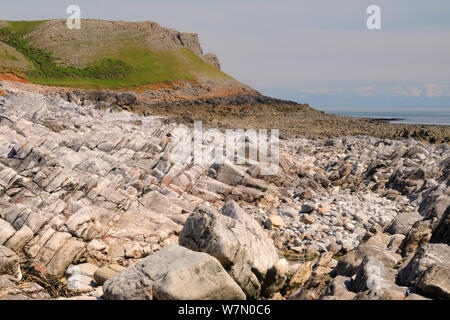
column 436, row 116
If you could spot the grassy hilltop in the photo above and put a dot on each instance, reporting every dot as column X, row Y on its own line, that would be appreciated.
column 103, row 54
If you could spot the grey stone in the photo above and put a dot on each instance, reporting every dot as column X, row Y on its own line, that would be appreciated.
column 348, row 264
column 105, row 273
column 236, row 240
column 431, row 254
column 371, row 275
column 9, row 263
column 403, row 222
column 435, row 282
column 174, row 273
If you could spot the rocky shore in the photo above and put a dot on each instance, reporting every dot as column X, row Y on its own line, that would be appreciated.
column 92, row 203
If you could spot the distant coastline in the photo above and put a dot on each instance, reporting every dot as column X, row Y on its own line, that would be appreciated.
column 425, row 117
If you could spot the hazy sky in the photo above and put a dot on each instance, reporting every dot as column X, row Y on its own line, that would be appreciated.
column 319, row 52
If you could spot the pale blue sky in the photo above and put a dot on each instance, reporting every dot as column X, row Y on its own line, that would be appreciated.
column 319, row 52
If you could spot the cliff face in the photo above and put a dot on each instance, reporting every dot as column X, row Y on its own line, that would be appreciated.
column 112, row 55
column 81, row 47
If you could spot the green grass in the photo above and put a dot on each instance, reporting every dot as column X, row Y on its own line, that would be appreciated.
column 12, row 61
column 147, row 67
column 46, row 68
column 23, row 27
column 129, row 64
column 7, row 56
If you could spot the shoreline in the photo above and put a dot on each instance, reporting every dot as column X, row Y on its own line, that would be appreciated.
column 107, row 186
column 405, row 118
column 242, row 111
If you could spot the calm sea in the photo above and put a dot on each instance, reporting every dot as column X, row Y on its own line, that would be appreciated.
column 439, row 116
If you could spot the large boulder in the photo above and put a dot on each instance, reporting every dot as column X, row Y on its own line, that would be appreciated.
column 441, row 233
column 372, row 274
column 435, row 282
column 436, row 208
column 236, row 240
column 392, row 293
column 348, row 264
column 429, row 271
column 174, row 273
column 337, row 289
column 419, row 235
column 403, row 222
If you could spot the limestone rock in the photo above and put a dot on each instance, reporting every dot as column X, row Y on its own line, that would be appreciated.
column 9, row 263
column 276, row 221
column 337, row 289
column 348, row 264
column 174, row 273
column 236, row 240
column 428, row 271
column 276, row 278
column 300, row 276
column 435, row 282
column 403, row 222
column 212, row 59
column 105, row 273
column 372, row 274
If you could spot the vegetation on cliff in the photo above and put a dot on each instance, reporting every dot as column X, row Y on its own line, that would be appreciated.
column 127, row 64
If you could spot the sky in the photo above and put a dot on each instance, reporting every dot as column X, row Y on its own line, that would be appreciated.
column 318, row 52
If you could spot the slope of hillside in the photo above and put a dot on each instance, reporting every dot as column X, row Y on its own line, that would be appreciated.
column 13, row 61
column 106, row 54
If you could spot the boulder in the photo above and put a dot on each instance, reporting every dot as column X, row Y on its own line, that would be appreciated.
column 308, row 207
column 396, row 293
column 300, row 275
column 174, row 273
column 314, row 288
column 236, row 240
column 429, row 271
column 103, row 274
column 6, row 231
column 372, row 274
column 276, row 278
column 229, row 173
column 276, row 221
column 127, row 99
column 85, row 269
column 435, row 282
column 337, row 289
column 9, row 263
column 403, row 222
column 348, row 264
column 79, row 282
column 418, row 235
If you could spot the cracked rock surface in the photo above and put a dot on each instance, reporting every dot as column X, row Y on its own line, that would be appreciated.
column 96, row 189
